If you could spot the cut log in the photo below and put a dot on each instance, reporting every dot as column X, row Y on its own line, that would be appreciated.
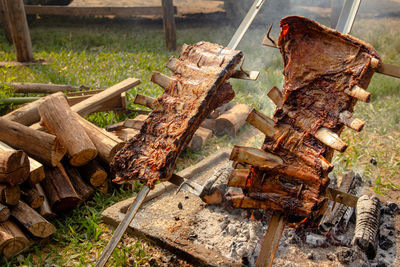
column 347, row 119
column 200, row 138
column 84, row 190
column 143, row 100
column 9, row 195
column 58, row 118
column 231, row 121
column 42, row 146
column 32, row 197
column 94, row 173
column 330, row 139
column 275, row 94
column 358, row 93
column 107, row 144
column 367, row 225
column 12, row 239
column 104, row 187
column 45, row 209
column 336, row 219
column 32, row 221
column 126, row 134
column 59, row 190
column 14, row 167
column 161, row 79
column 4, row 213
column 208, row 124
column 18, row 25
column 44, row 88
column 36, row 171
column 28, row 114
column 93, row 103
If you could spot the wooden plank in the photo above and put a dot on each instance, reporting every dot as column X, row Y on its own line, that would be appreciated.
column 96, row 11
column 15, row 15
column 93, row 103
column 169, row 24
column 271, row 240
column 5, row 23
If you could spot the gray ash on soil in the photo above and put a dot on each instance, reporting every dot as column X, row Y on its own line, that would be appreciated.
column 237, row 235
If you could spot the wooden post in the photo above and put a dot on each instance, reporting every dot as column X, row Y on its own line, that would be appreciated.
column 15, row 14
column 12, row 239
column 32, row 221
column 169, row 24
column 4, row 22
column 58, row 118
column 40, row 145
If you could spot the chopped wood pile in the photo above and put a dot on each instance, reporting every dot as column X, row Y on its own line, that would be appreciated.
column 289, row 173
column 197, row 87
column 50, row 168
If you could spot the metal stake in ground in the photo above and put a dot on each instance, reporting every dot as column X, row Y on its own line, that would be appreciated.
column 105, row 255
column 130, row 214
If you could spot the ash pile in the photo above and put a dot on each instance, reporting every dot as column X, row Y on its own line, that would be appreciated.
column 238, row 233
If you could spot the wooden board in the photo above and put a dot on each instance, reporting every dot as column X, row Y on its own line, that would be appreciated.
column 95, row 11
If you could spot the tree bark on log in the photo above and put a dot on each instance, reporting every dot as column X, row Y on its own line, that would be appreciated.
column 58, row 118
column 84, row 190
column 14, row 167
column 4, row 213
column 9, row 195
column 45, row 209
column 36, row 171
column 32, row 221
column 231, row 121
column 94, row 173
column 42, row 88
column 107, row 144
column 28, row 114
column 12, row 239
column 59, row 190
column 32, row 197
column 40, row 145
column 200, row 138
column 367, row 225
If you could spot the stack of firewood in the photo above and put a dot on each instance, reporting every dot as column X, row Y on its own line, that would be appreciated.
column 50, row 167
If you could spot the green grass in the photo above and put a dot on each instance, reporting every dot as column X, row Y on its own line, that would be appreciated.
column 101, row 53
